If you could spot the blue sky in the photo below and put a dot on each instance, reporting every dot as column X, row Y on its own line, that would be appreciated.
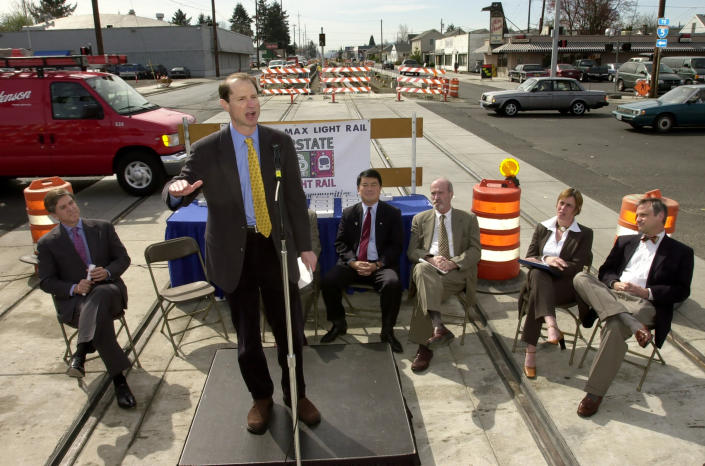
column 353, row 23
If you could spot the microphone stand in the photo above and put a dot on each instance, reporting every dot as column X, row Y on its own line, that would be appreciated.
column 290, row 357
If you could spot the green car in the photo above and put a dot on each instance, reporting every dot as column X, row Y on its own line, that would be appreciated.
column 682, row 106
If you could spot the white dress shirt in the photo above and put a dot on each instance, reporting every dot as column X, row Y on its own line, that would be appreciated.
column 553, row 247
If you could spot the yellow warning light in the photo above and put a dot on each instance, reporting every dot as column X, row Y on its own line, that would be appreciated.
column 509, row 167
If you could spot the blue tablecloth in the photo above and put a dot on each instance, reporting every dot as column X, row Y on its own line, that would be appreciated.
column 191, row 221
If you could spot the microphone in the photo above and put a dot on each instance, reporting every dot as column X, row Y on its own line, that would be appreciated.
column 277, row 161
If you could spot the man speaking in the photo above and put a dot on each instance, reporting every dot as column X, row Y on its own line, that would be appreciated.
column 235, row 170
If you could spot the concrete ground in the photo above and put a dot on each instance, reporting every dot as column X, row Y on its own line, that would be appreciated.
column 464, row 411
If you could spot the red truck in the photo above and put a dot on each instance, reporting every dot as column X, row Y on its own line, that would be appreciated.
column 81, row 123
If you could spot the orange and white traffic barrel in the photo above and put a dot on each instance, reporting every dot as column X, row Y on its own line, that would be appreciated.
column 496, row 204
column 40, row 223
column 626, row 225
column 454, row 87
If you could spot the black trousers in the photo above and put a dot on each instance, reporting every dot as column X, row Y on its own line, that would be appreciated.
column 262, row 275
column 385, row 281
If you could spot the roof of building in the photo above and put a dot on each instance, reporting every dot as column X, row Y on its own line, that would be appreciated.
column 402, row 47
column 425, row 34
column 106, row 20
column 454, row 32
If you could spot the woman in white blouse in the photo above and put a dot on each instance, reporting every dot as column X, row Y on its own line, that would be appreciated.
column 566, row 247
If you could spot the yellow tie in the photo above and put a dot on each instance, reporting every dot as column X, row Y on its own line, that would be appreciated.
column 264, row 224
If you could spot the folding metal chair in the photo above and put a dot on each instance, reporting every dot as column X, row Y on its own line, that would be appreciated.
column 195, row 292
column 71, row 335
column 655, row 354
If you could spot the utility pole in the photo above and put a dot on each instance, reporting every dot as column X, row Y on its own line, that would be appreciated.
column 257, row 34
column 543, row 9
column 653, row 92
column 323, row 57
column 528, row 19
column 294, row 26
column 381, row 41
column 441, row 25
column 215, row 40
column 556, row 30
column 96, row 24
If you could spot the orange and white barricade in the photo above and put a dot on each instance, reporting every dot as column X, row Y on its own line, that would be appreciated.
column 434, row 83
column 345, row 79
column 289, row 81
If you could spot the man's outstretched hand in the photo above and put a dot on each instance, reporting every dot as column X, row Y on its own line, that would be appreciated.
column 181, row 188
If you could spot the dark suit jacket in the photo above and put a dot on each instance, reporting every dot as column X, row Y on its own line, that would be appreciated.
column 669, row 276
column 576, row 251
column 466, row 244
column 213, row 161
column 389, row 235
column 60, row 266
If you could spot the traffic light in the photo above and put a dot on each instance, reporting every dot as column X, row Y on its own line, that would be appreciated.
column 322, row 40
column 609, row 47
column 626, row 47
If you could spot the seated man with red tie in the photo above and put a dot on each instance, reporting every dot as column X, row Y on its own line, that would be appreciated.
column 80, row 263
column 369, row 245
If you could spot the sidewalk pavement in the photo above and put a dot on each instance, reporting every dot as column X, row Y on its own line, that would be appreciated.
column 462, row 411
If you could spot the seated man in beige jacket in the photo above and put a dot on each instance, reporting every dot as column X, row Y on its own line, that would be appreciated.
column 444, row 248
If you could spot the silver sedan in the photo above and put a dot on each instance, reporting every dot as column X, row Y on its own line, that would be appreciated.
column 562, row 94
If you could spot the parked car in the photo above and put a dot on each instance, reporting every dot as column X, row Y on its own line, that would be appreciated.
column 562, row 94
column 525, row 71
column 388, row 65
column 409, row 63
column 79, row 123
column 612, row 70
column 682, row 106
column 590, row 70
column 690, row 69
column 156, row 71
column 630, row 72
column 133, row 71
column 565, row 70
column 180, row 72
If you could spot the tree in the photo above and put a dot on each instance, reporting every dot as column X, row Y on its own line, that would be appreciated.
column 592, row 16
column 204, row 20
column 50, row 9
column 17, row 18
column 275, row 26
column 416, row 55
column 180, row 18
column 372, row 41
column 241, row 21
column 260, row 15
column 450, row 28
column 403, row 33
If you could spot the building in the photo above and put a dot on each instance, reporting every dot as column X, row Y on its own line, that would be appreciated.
column 144, row 40
column 460, row 47
column 695, row 25
column 424, row 44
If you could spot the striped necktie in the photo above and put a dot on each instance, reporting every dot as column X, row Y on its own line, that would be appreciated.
column 264, row 224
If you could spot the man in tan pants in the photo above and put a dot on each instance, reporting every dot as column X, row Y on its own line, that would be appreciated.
column 636, row 288
column 445, row 249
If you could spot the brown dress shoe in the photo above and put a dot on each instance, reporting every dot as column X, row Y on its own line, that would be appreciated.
column 422, row 359
column 589, row 405
column 308, row 413
column 441, row 337
column 258, row 417
column 643, row 337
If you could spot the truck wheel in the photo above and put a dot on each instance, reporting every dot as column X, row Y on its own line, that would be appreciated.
column 663, row 123
column 578, row 108
column 620, row 85
column 139, row 173
column 511, row 108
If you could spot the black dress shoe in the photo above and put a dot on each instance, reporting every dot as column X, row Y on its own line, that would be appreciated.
column 388, row 337
column 125, row 398
column 335, row 331
column 76, row 368
column 588, row 318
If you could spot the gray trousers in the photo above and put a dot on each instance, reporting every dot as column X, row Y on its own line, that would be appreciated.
column 613, row 347
column 94, row 317
column 432, row 289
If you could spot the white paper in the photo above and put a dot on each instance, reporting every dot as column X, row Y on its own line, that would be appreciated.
column 305, row 274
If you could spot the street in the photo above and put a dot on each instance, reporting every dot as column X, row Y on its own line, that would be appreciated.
column 602, row 157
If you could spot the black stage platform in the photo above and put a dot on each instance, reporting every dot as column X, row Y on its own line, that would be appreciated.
column 355, row 387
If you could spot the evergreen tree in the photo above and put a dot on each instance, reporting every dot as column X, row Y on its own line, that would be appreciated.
column 261, row 14
column 50, row 9
column 204, row 20
column 241, row 21
column 372, row 41
column 13, row 21
column 180, row 18
column 275, row 27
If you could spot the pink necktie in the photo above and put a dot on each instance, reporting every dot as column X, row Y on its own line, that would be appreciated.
column 79, row 245
column 365, row 238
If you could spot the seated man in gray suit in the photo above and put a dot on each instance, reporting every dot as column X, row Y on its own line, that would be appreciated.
column 87, row 298
column 448, row 242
